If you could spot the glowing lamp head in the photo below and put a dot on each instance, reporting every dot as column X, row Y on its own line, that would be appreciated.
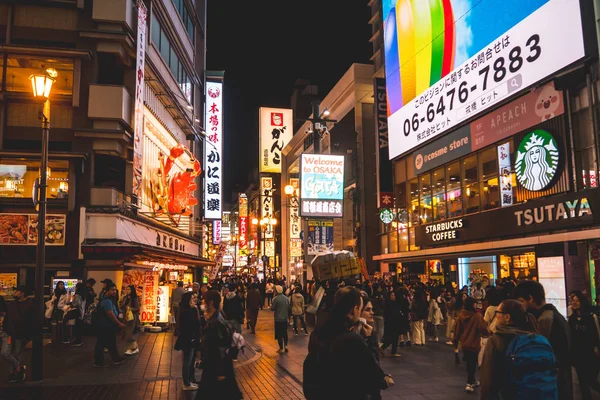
column 41, row 85
column 289, row 190
column 273, row 221
column 326, row 113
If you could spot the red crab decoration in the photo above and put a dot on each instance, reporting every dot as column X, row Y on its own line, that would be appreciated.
column 174, row 195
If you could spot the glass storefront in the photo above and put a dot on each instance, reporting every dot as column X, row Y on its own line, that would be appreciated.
column 476, row 268
column 17, row 178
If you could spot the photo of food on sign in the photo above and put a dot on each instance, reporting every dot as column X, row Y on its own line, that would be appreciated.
column 448, row 60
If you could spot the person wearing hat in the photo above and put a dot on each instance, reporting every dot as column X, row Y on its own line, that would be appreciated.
column 115, row 299
column 280, row 307
column 18, row 326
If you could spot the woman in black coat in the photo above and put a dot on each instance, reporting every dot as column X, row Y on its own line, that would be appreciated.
column 392, row 323
column 189, row 337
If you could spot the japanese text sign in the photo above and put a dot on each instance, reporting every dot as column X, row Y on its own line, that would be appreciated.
column 149, row 297
column 276, row 127
column 456, row 58
column 266, row 201
column 216, row 232
column 295, row 221
column 321, row 185
column 243, row 221
column 213, row 150
column 138, row 117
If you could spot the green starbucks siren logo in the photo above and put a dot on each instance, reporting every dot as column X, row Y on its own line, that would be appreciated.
column 537, row 160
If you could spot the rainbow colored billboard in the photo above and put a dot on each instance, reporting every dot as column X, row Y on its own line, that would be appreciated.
column 444, row 55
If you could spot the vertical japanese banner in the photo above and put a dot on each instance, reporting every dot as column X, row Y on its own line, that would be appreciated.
column 213, row 150
column 382, row 157
column 276, row 128
column 218, row 260
column 216, row 232
column 138, row 116
column 150, row 295
column 294, row 201
column 242, row 259
column 506, row 175
column 266, row 203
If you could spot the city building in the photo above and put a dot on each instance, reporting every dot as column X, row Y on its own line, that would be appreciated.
column 126, row 116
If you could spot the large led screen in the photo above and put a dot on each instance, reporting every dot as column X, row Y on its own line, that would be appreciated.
column 448, row 60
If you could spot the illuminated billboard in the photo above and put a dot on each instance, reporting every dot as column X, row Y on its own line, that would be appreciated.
column 321, row 185
column 213, row 150
column 276, row 127
column 448, row 60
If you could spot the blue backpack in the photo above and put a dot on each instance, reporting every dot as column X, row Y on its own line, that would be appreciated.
column 532, row 367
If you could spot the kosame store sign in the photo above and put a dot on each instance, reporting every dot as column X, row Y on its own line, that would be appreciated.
column 449, row 60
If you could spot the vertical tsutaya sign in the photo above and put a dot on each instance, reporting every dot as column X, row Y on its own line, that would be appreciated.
column 266, row 203
column 295, row 240
column 382, row 157
column 449, row 60
column 216, row 231
column 138, row 116
column 213, row 150
column 276, row 127
column 505, row 170
column 321, row 185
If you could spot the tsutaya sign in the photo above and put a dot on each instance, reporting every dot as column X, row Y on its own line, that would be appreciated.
column 540, row 215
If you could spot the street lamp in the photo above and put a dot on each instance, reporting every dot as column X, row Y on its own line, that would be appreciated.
column 264, row 223
column 319, row 125
column 41, row 85
column 289, row 190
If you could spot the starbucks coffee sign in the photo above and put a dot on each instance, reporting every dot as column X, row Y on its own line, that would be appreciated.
column 386, row 216
column 537, row 160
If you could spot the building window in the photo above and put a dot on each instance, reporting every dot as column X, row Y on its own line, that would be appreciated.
column 20, row 67
column 167, row 51
column 453, row 190
column 439, row 194
column 17, row 178
column 470, row 181
column 186, row 18
column 426, row 207
column 414, row 202
column 490, row 190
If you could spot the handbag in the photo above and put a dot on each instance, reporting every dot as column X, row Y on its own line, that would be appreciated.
column 129, row 314
column 49, row 309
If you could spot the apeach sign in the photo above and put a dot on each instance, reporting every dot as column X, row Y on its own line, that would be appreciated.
column 537, row 160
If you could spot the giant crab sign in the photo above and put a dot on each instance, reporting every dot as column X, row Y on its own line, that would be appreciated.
column 173, row 194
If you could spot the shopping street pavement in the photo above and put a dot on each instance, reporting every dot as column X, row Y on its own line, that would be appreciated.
column 426, row 372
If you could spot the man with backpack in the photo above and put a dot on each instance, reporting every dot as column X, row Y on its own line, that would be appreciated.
column 554, row 327
column 517, row 362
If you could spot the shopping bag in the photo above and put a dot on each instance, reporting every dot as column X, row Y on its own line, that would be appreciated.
column 129, row 315
column 49, row 309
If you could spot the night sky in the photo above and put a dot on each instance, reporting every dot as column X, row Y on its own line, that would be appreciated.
column 263, row 47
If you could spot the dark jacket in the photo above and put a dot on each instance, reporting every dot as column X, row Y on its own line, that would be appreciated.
column 469, row 329
column 584, row 339
column 19, row 319
column 555, row 328
column 391, row 321
column 233, row 307
column 253, row 299
column 216, row 339
column 378, row 302
column 189, row 328
column 494, row 368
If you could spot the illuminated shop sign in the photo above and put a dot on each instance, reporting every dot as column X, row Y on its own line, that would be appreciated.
column 276, row 127
column 537, row 160
column 213, row 150
column 449, row 60
column 321, row 185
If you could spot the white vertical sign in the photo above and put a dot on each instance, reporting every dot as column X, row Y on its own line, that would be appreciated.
column 276, row 127
column 294, row 200
column 506, row 173
column 212, row 152
column 266, row 203
column 138, row 117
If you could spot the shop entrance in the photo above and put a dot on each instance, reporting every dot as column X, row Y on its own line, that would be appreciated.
column 477, row 268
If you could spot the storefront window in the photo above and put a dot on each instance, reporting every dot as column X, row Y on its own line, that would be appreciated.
column 426, row 207
column 470, row 184
column 393, row 241
column 414, row 202
column 439, row 194
column 17, row 178
column 20, row 67
column 490, row 191
column 411, row 234
column 453, row 192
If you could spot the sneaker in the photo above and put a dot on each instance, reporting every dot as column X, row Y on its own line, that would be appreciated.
column 66, row 342
column 305, row 333
column 135, row 351
column 469, row 388
column 76, row 344
column 100, row 365
column 449, row 342
column 296, row 334
column 435, row 339
column 120, row 361
column 477, row 383
column 12, row 377
column 128, row 352
column 280, row 351
column 396, row 355
column 190, row 387
column 286, row 349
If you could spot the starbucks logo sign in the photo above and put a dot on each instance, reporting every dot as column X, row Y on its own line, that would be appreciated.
column 537, row 160
column 386, row 216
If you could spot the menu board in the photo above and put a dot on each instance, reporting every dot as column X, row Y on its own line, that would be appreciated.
column 22, row 229
column 7, row 282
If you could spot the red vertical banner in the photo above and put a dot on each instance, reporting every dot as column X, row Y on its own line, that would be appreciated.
column 149, row 297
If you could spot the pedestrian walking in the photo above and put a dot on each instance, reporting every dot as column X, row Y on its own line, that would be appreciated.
column 392, row 321
column 517, row 362
column 470, row 327
column 73, row 319
column 434, row 316
column 17, row 325
column 493, row 298
column 280, row 307
column 233, row 308
column 298, row 310
column 188, row 340
column 554, row 327
column 378, row 301
column 218, row 376
column 58, row 302
column 130, row 309
column 269, row 288
column 253, row 305
column 107, row 327
column 176, row 295
column 115, row 297
column 585, row 343
column 419, row 311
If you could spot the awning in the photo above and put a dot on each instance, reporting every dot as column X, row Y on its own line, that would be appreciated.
column 132, row 252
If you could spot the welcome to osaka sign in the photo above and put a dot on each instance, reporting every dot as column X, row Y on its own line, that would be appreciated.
column 321, row 185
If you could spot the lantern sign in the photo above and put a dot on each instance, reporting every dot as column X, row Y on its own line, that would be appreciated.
column 386, row 216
